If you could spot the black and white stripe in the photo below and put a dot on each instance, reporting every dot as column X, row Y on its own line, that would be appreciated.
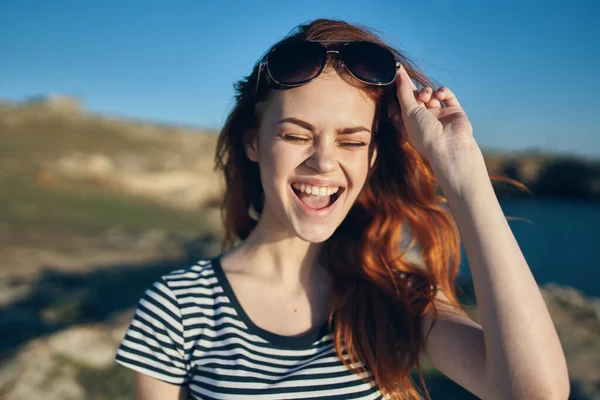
column 189, row 329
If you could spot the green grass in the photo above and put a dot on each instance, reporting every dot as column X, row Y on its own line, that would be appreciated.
column 113, row 383
column 43, row 135
column 32, row 135
column 26, row 207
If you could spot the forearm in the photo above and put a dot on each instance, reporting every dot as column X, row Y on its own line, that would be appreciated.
column 524, row 357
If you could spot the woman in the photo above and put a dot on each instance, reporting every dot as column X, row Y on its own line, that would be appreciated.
column 329, row 152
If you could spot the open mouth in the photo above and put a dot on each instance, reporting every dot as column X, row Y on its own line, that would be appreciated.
column 319, row 199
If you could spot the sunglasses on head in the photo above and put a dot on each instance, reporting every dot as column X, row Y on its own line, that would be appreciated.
column 297, row 63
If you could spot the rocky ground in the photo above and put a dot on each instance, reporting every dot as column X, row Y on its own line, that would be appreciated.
column 63, row 313
column 62, row 323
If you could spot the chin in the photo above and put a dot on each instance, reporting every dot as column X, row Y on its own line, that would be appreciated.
column 314, row 234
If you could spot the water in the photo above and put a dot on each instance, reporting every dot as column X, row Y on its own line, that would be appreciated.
column 561, row 240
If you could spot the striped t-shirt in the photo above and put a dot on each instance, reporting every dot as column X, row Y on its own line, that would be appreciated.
column 189, row 329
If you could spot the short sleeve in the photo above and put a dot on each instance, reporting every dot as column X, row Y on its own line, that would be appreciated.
column 154, row 342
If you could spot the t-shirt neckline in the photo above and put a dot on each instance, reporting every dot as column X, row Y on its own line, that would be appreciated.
column 295, row 342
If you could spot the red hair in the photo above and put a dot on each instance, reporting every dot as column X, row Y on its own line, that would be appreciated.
column 379, row 296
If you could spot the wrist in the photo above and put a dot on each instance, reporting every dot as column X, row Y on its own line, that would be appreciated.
column 461, row 170
column 450, row 150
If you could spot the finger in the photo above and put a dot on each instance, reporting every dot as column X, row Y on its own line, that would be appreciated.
column 433, row 103
column 425, row 94
column 405, row 90
column 412, row 83
column 418, row 93
column 447, row 96
column 418, row 98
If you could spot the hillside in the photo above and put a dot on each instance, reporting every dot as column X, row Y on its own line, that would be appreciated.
column 67, row 172
column 52, row 149
column 94, row 208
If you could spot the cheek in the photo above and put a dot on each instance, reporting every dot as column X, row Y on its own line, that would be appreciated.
column 356, row 164
column 278, row 163
column 285, row 157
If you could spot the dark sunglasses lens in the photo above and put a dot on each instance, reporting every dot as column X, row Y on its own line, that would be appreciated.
column 369, row 62
column 296, row 63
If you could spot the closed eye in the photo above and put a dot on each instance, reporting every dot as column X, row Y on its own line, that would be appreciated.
column 354, row 144
column 296, row 138
column 300, row 139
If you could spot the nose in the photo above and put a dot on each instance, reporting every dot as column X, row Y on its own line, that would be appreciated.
column 323, row 158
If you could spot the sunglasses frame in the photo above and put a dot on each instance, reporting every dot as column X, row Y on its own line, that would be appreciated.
column 264, row 65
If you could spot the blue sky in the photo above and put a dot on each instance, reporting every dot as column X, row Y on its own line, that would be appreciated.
column 525, row 72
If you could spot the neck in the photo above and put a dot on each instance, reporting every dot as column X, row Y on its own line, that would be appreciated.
column 278, row 253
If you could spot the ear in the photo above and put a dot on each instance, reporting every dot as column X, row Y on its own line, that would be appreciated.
column 251, row 145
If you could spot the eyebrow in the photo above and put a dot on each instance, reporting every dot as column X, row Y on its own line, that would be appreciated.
column 311, row 127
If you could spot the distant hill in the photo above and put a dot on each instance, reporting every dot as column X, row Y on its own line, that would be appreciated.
column 547, row 174
column 51, row 143
column 66, row 171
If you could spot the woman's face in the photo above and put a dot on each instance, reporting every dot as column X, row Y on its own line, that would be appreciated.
column 313, row 138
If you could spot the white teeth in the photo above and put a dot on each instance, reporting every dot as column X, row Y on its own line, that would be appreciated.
column 315, row 190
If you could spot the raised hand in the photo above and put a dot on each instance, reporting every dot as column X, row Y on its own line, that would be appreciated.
column 433, row 121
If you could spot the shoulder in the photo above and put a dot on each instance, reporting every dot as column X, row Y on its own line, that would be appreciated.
column 196, row 286
column 177, row 288
column 175, row 310
column 201, row 273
